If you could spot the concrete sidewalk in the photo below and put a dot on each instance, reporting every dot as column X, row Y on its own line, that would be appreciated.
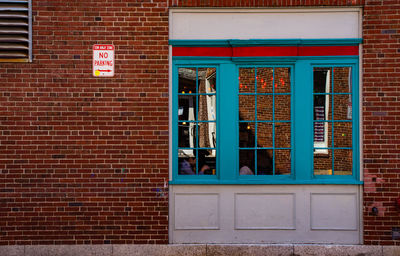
column 200, row 250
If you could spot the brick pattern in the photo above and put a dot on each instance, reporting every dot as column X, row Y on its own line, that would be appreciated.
column 84, row 160
column 381, row 123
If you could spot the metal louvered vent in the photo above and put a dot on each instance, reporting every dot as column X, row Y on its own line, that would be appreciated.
column 15, row 31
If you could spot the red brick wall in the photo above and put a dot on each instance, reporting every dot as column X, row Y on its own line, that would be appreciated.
column 78, row 153
column 83, row 159
column 381, row 119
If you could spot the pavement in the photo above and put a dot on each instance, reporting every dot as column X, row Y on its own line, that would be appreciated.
column 200, row 250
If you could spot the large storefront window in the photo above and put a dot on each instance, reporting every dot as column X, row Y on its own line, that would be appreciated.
column 333, row 136
column 265, row 121
column 284, row 120
column 197, row 133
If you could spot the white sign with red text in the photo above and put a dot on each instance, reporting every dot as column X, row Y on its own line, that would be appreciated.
column 103, row 60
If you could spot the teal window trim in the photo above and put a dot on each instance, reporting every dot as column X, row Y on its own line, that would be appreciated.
column 227, row 95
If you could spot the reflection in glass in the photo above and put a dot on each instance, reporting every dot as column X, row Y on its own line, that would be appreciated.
column 246, row 162
column 323, row 163
column 264, row 107
column 322, row 80
column 342, row 107
column 264, row 80
column 187, row 134
column 207, row 107
column 207, row 80
column 247, row 80
column 186, row 162
column 322, row 107
column 342, row 80
column 282, row 162
column 342, row 134
column 257, row 115
column 282, row 80
column 197, row 121
column 206, row 162
column 247, row 107
column 187, row 80
column 207, row 135
column 282, row 107
column 264, row 162
column 322, row 103
column 264, row 135
column 247, row 133
column 186, row 108
column 282, row 135
column 343, row 162
column 322, row 135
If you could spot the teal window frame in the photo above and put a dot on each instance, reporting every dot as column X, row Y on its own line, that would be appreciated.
column 302, row 121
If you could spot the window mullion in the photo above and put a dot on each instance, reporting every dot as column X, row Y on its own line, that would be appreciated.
column 303, row 121
column 228, row 122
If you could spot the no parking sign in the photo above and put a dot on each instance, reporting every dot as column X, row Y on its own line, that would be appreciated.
column 103, row 60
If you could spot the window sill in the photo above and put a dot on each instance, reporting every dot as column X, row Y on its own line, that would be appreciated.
column 349, row 181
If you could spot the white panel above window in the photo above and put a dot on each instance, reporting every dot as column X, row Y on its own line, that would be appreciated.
column 307, row 23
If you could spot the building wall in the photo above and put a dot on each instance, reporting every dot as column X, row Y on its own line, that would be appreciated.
column 381, row 77
column 85, row 160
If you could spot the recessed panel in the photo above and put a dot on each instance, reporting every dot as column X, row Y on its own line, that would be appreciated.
column 280, row 23
column 264, row 211
column 334, row 212
column 196, row 211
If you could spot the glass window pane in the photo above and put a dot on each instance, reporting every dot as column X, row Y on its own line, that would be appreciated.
column 187, row 80
column 207, row 107
column 282, row 107
column 322, row 134
column 187, row 134
column 343, row 134
column 247, row 80
column 342, row 80
column 246, row 107
column 207, row 135
column 187, row 107
column 207, row 162
column 282, row 80
column 264, row 162
column 322, row 107
column 323, row 162
column 343, row 161
column 282, row 135
column 342, row 107
column 186, row 162
column 264, row 80
column 264, row 135
column 247, row 135
column 207, row 80
column 282, row 162
column 322, row 80
column 246, row 162
column 264, row 107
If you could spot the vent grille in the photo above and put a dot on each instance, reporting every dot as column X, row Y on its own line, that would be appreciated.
column 15, row 31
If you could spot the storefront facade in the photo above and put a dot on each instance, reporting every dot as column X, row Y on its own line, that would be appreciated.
column 274, row 115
